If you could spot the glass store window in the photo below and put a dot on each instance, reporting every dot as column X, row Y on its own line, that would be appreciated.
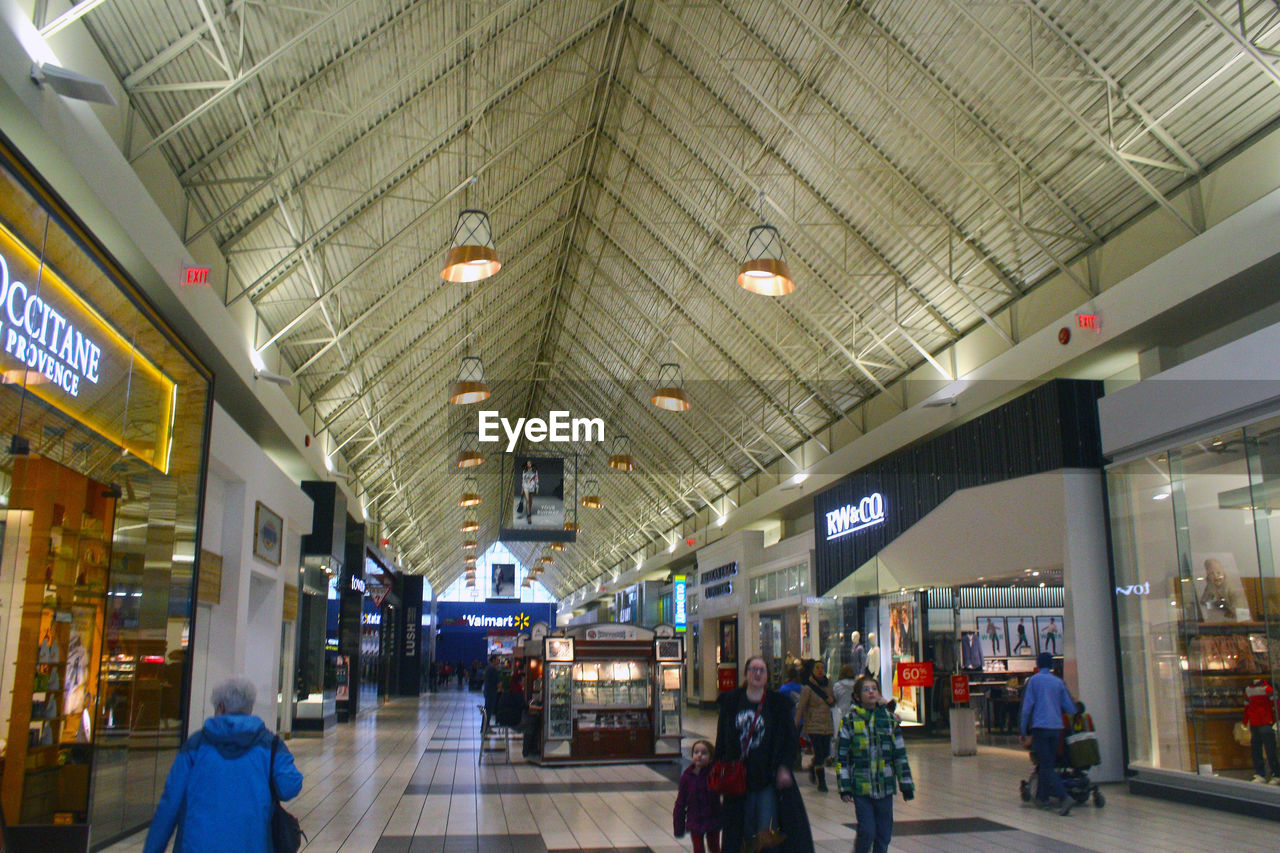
column 102, row 423
column 1197, row 594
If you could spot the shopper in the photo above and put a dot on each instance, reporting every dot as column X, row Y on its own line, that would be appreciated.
column 1045, row 699
column 792, row 686
column 813, row 716
column 873, row 766
column 697, row 808
column 532, row 745
column 756, row 725
column 218, row 793
column 492, row 684
column 1260, row 717
column 842, row 690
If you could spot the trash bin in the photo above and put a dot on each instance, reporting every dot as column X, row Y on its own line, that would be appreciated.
column 964, row 735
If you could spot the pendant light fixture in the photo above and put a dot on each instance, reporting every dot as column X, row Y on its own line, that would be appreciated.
column 620, row 457
column 763, row 269
column 469, row 524
column 591, row 494
column 557, row 546
column 470, row 387
column 469, row 454
column 470, row 493
column 670, row 394
column 471, row 255
column 547, row 559
column 468, row 544
column 571, row 527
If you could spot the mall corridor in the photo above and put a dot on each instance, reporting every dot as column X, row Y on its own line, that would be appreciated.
column 405, row 778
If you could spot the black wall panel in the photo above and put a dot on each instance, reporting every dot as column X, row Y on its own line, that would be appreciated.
column 1053, row 426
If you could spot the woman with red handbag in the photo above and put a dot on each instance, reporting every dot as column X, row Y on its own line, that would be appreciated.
column 756, row 743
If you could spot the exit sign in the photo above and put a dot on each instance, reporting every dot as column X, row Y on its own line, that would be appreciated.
column 195, row 276
column 1089, row 321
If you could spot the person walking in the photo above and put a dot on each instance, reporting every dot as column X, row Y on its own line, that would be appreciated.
column 842, row 690
column 1045, row 699
column 492, row 683
column 757, row 726
column 218, row 792
column 873, row 766
column 697, row 809
column 813, row 717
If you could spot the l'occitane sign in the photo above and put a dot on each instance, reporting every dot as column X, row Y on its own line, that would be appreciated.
column 70, row 357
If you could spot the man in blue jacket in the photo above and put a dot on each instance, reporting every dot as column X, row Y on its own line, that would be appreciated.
column 217, row 793
column 1044, row 700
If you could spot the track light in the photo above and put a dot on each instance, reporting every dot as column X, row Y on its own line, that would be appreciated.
column 274, row 378
column 69, row 84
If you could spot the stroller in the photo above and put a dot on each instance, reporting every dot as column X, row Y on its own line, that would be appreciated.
column 1078, row 752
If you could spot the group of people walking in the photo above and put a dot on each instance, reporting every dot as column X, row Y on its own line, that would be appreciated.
column 761, row 729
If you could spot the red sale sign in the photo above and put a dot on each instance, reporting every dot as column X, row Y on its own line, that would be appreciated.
column 727, row 678
column 959, row 689
column 915, row 674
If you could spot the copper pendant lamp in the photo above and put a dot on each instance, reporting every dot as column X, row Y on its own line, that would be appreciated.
column 670, row 394
column 620, row 457
column 591, row 494
column 470, row 493
column 471, row 256
column 470, row 387
column 763, row 270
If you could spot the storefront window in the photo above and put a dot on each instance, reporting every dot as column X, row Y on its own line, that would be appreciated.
column 102, row 417
column 1197, row 595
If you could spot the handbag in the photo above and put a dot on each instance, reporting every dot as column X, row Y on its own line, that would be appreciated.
column 519, row 506
column 286, row 832
column 729, row 778
column 1242, row 733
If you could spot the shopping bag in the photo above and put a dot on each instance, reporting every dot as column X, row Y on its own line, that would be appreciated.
column 1082, row 750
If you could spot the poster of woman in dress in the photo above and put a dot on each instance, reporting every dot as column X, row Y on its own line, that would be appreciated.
column 1022, row 636
column 1049, row 630
column 905, row 647
column 991, row 630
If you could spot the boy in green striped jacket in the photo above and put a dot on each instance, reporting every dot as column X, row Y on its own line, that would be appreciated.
column 873, row 766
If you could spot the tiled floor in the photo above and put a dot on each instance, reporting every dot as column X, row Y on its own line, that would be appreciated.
column 405, row 779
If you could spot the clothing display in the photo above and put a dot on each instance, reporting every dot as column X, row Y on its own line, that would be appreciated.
column 873, row 656
column 858, row 659
column 970, row 651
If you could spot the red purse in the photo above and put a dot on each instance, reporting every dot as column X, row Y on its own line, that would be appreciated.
column 729, row 778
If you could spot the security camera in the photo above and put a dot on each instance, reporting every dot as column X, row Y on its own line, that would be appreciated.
column 268, row 376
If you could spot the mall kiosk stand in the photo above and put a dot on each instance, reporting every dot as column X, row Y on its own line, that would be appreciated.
column 613, row 693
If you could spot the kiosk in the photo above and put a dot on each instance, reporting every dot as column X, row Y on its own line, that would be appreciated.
column 611, row 693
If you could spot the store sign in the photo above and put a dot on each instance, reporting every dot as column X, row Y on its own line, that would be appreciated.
column 679, row 597
column 959, row 690
column 67, row 355
column 915, row 674
column 358, row 585
column 618, row 632
column 475, row 621
column 851, row 518
column 411, row 632
column 1135, row 589
column 719, row 573
column 718, row 590
column 370, row 618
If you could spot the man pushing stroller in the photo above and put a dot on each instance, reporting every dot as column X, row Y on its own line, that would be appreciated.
column 1044, row 701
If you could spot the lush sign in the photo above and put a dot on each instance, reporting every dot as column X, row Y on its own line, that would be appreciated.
column 851, row 518
column 65, row 353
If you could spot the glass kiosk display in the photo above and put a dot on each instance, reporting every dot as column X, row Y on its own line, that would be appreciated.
column 612, row 693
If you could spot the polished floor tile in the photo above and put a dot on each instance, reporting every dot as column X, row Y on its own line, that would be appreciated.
column 412, row 778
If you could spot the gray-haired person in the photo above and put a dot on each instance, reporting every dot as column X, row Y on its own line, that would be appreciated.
column 217, row 794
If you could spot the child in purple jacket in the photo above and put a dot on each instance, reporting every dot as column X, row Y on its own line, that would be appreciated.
column 697, row 807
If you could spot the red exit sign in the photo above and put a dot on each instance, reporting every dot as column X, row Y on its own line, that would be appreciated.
column 195, row 276
column 1089, row 321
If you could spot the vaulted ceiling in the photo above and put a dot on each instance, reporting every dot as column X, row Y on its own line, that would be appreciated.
column 926, row 164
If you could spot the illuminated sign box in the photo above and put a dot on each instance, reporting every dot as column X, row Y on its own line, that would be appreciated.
column 679, row 597
column 67, row 355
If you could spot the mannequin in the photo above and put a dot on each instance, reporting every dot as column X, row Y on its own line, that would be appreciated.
column 970, row 651
column 873, row 655
column 859, row 657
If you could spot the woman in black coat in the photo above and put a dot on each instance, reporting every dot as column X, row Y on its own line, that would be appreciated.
column 761, row 722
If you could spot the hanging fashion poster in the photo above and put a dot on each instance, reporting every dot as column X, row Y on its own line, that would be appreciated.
column 538, row 498
column 1022, row 636
column 268, row 534
column 504, row 580
column 991, row 630
column 904, row 645
column 1219, row 590
column 1050, row 633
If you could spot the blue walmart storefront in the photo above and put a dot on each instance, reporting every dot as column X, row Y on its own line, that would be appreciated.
column 465, row 629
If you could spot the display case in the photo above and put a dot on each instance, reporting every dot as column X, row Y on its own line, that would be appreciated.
column 606, row 696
